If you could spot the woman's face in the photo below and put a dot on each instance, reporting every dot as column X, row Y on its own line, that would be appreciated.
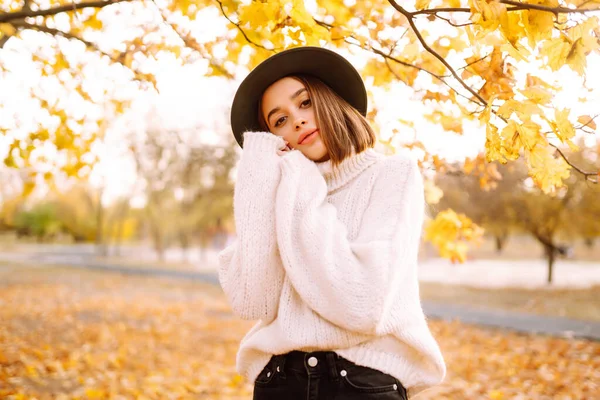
column 289, row 112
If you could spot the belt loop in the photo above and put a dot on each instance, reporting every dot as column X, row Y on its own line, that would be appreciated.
column 332, row 369
column 280, row 364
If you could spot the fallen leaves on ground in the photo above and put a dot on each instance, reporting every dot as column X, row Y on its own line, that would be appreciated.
column 68, row 334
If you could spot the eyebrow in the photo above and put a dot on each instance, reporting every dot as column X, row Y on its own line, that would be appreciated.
column 292, row 97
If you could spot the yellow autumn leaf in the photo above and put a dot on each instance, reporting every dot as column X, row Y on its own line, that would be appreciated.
column 576, row 57
column 433, row 193
column 128, row 59
column 449, row 232
column 93, row 22
column 496, row 395
column 512, row 28
column 493, row 144
column 94, row 393
column 452, row 124
column 587, row 121
column 508, row 108
column 7, row 29
column 487, row 15
column 258, row 14
column 422, row 4
column 339, row 33
column 28, row 188
column 534, row 81
column 548, row 172
column 539, row 24
column 556, row 50
column 564, row 128
column 538, row 94
column 529, row 134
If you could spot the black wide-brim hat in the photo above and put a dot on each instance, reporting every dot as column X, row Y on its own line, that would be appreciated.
column 330, row 67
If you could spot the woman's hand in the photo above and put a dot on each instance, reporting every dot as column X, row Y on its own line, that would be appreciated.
column 284, row 150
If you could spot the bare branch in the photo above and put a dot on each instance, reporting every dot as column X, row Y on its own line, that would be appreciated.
column 25, row 12
column 3, row 40
column 589, row 176
column 396, row 60
column 452, row 10
column 554, row 10
column 193, row 44
column 452, row 23
column 474, row 62
column 240, row 28
column 517, row 6
column 587, row 123
column 406, row 64
column 411, row 22
column 438, row 77
column 92, row 46
column 56, row 32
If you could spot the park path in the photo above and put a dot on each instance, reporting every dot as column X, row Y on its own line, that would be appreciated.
column 520, row 322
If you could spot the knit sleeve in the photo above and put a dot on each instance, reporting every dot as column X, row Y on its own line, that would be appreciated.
column 250, row 270
column 350, row 282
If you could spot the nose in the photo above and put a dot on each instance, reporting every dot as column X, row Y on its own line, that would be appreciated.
column 300, row 122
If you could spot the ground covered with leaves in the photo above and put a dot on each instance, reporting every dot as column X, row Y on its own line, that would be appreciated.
column 73, row 334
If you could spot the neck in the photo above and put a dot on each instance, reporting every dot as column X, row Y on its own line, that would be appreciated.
column 348, row 169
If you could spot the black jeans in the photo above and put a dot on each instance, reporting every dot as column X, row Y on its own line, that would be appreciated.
column 323, row 375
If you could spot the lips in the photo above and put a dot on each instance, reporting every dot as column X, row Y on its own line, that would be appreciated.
column 305, row 135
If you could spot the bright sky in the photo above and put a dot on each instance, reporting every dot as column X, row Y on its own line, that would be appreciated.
column 187, row 99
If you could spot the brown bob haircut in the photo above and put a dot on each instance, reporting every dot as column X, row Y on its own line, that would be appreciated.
column 343, row 129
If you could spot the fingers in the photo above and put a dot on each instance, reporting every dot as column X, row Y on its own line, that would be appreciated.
column 285, row 149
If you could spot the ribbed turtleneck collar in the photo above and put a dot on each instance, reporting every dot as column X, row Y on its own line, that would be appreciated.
column 348, row 169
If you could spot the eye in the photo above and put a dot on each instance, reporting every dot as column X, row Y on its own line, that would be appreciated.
column 306, row 103
column 279, row 121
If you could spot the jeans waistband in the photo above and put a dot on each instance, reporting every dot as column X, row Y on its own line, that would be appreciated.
column 313, row 363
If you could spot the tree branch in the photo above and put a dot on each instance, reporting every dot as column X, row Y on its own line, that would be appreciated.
column 3, row 40
column 193, row 44
column 438, row 77
column 396, row 60
column 240, row 28
column 517, row 6
column 452, row 23
column 587, row 123
column 26, row 12
column 589, row 176
column 410, row 17
column 92, row 46
column 554, row 10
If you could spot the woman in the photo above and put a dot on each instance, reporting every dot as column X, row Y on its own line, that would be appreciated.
column 328, row 232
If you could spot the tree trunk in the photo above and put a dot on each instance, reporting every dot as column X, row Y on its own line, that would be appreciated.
column 500, row 242
column 158, row 240
column 119, row 236
column 100, row 247
column 120, row 225
column 184, row 242
column 551, row 256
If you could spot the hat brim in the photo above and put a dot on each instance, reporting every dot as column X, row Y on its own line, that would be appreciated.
column 330, row 67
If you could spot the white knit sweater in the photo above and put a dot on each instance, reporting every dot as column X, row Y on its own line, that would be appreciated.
column 329, row 262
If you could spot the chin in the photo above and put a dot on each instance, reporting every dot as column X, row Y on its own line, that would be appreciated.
column 316, row 153
column 317, row 156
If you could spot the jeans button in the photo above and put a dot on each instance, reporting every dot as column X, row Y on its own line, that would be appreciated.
column 313, row 361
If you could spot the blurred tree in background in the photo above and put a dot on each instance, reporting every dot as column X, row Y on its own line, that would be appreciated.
column 514, row 205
